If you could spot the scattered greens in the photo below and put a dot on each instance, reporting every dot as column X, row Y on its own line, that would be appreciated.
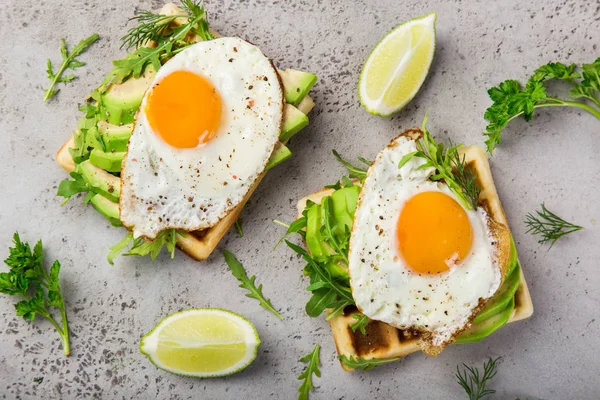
column 449, row 166
column 142, row 247
column 353, row 171
column 474, row 383
column 364, row 364
column 40, row 289
column 306, row 376
column 238, row 226
column 361, row 323
column 549, row 226
column 511, row 100
column 238, row 271
column 68, row 62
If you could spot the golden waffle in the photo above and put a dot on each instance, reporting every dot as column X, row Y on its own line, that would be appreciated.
column 383, row 341
column 198, row 244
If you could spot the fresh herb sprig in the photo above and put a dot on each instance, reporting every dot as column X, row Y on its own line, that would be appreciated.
column 238, row 226
column 362, row 363
column 449, row 166
column 40, row 289
column 327, row 292
column 511, row 100
column 473, row 382
column 549, row 226
column 353, row 171
column 312, row 359
column 169, row 41
column 142, row 247
column 361, row 323
column 254, row 292
column 68, row 62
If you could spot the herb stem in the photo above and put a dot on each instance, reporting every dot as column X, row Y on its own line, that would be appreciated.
column 54, row 81
column 578, row 104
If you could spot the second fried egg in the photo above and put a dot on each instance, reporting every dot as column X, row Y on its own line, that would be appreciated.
column 418, row 259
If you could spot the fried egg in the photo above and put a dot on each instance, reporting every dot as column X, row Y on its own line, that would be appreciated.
column 204, row 132
column 418, row 259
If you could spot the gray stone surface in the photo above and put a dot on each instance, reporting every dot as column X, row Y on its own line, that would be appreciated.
column 553, row 355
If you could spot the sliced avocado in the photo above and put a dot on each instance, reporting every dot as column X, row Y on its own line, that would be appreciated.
column 293, row 121
column 316, row 244
column 107, row 208
column 479, row 331
column 108, row 161
column 103, row 182
column 344, row 205
column 121, row 102
column 296, row 84
column 280, row 154
column 115, row 137
column 505, row 294
column 306, row 105
column 513, row 259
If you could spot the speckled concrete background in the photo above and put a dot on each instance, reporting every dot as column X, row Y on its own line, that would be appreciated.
column 553, row 355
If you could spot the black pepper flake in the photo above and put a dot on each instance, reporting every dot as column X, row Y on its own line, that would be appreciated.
column 250, row 87
column 231, row 60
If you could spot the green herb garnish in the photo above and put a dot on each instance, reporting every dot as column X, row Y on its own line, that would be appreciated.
column 238, row 271
column 68, row 62
column 29, row 279
column 353, row 171
column 511, row 100
column 238, row 226
column 474, row 383
column 142, row 247
column 548, row 225
column 312, row 359
column 449, row 166
column 364, row 364
column 361, row 323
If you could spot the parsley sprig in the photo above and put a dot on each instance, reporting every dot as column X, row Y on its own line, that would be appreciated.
column 549, row 226
column 512, row 100
column 362, row 363
column 68, row 62
column 312, row 359
column 254, row 292
column 40, row 289
column 473, row 382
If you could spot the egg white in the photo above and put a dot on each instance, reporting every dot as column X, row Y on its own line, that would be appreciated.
column 165, row 187
column 383, row 286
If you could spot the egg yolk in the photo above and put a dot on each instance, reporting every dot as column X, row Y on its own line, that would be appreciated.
column 434, row 233
column 184, row 108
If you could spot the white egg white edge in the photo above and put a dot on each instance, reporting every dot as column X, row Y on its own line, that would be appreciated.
column 436, row 338
column 255, row 179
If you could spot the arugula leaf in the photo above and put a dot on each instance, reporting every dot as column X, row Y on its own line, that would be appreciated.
column 27, row 278
column 474, row 383
column 68, row 62
column 511, row 100
column 70, row 187
column 238, row 271
column 143, row 247
column 549, row 226
column 238, row 226
column 295, row 227
column 312, row 359
column 353, row 171
column 362, row 363
column 361, row 323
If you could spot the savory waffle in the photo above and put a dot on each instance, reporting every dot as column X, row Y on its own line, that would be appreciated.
column 383, row 341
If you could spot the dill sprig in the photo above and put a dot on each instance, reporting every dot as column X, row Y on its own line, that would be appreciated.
column 549, row 226
column 474, row 383
column 152, row 26
column 466, row 178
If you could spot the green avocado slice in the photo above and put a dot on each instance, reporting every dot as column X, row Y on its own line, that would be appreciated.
column 294, row 120
column 121, row 102
column 109, row 209
column 479, row 331
column 110, row 162
column 502, row 298
column 280, row 154
column 101, row 181
column 513, row 259
column 115, row 137
column 296, row 84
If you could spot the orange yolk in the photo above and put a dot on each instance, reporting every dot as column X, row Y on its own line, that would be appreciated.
column 433, row 233
column 184, row 109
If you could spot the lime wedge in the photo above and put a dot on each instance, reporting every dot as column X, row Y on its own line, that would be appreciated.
column 202, row 343
column 398, row 66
